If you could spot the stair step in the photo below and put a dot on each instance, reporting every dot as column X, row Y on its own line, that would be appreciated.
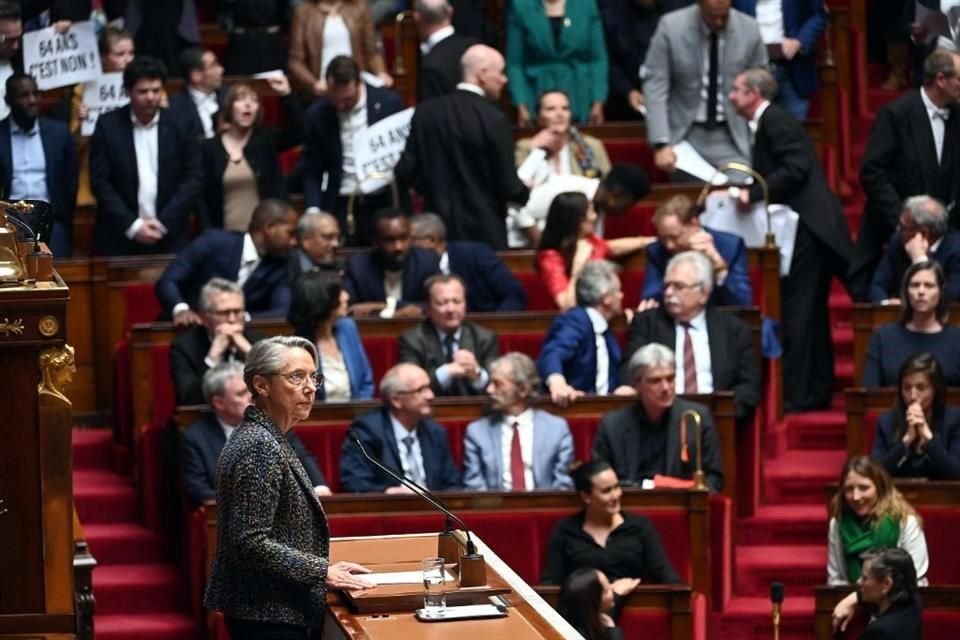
column 166, row 626
column 123, row 543
column 843, row 374
column 819, row 430
column 799, row 477
column 91, row 448
column 749, row 618
column 103, row 496
column 783, row 524
column 798, row 567
column 139, row 588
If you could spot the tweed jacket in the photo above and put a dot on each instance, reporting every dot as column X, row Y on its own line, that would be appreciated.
column 273, row 543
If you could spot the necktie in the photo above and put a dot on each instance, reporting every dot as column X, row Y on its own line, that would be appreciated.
column 413, row 469
column 448, row 342
column 516, row 460
column 712, row 82
column 689, row 363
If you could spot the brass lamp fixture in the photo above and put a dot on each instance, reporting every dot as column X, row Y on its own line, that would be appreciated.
column 12, row 267
column 699, row 477
column 771, row 241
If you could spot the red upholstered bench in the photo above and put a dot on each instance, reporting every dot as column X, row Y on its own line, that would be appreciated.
column 940, row 526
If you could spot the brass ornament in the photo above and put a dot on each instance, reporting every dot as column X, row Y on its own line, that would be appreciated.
column 48, row 326
column 8, row 328
column 57, row 366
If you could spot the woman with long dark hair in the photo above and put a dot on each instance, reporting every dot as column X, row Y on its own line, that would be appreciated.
column 920, row 436
column 585, row 601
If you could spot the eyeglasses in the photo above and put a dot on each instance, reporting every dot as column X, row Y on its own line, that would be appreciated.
column 418, row 390
column 680, row 286
column 226, row 313
column 297, row 378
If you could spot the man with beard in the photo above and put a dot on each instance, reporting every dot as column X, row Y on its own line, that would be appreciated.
column 454, row 351
column 393, row 272
column 540, row 445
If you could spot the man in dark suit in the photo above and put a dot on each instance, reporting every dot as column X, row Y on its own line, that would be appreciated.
column 491, row 286
column 318, row 238
column 714, row 349
column 455, row 351
column 645, row 438
column 223, row 337
column 391, row 270
column 922, row 235
column 678, row 230
column 145, row 170
column 349, row 107
column 197, row 104
column 256, row 260
column 37, row 160
column 441, row 48
column 459, row 155
column 784, row 155
column 403, row 436
column 912, row 150
column 580, row 353
column 201, row 443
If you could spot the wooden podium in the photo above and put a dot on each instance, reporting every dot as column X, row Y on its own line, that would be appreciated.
column 528, row 616
column 36, row 483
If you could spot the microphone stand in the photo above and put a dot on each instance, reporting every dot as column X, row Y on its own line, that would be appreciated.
column 473, row 568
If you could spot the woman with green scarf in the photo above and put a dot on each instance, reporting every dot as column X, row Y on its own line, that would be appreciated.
column 867, row 513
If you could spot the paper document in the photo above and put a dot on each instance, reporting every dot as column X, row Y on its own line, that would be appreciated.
column 263, row 75
column 934, row 21
column 721, row 213
column 690, row 161
column 403, row 577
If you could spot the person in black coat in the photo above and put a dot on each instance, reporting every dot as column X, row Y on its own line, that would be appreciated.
column 902, row 160
column 131, row 220
column 784, row 155
column 197, row 104
column 459, row 155
column 888, row 586
column 202, row 442
column 441, row 48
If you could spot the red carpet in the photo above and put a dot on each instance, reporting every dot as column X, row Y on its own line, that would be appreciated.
column 141, row 595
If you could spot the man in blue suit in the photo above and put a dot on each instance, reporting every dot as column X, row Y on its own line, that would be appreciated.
column 580, row 353
column 791, row 30
column 540, row 444
column 402, row 436
column 491, row 286
column 145, row 170
column 349, row 107
column 257, row 260
column 202, row 442
column 678, row 230
column 37, row 160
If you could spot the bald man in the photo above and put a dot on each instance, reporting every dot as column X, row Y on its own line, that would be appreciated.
column 459, row 155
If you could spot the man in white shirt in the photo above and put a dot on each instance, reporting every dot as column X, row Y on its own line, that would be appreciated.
column 199, row 102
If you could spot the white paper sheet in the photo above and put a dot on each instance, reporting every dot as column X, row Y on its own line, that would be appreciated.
column 403, row 577
column 935, row 22
column 721, row 213
column 690, row 161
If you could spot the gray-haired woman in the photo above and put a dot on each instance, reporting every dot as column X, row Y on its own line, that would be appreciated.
column 271, row 570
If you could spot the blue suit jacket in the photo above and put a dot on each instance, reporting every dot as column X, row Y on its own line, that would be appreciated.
column 491, row 286
column 347, row 335
column 736, row 290
column 323, row 150
column 216, row 253
column 376, row 433
column 889, row 274
column 552, row 453
column 61, row 171
column 363, row 276
column 570, row 348
column 804, row 20
column 200, row 447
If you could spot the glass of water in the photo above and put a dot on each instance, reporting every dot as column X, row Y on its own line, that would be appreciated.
column 434, row 587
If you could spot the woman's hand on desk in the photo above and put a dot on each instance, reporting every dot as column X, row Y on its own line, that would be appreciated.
column 344, row 575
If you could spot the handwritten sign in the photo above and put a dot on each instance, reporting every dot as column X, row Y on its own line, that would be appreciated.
column 377, row 150
column 100, row 96
column 61, row 59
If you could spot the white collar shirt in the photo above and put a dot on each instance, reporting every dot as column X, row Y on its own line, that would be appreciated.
column 436, row 38
column 600, row 327
column 770, row 20
column 29, row 171
column 524, row 423
column 206, row 105
column 754, row 122
column 399, row 433
column 228, row 429
column 938, row 121
column 249, row 260
column 701, row 353
column 472, row 88
column 147, row 149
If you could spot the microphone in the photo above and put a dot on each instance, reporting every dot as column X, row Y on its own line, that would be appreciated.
column 23, row 225
column 418, row 490
column 776, row 598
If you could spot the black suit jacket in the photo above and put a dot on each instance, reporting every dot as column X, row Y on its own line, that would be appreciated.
column 491, row 286
column 732, row 361
column 184, row 109
column 785, row 157
column 902, row 621
column 200, row 447
column 262, row 154
column 459, row 157
column 421, row 346
column 618, row 442
column 363, row 276
column 187, row 354
column 440, row 70
column 323, row 149
column 113, row 177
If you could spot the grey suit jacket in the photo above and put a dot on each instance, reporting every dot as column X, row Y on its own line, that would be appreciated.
column 674, row 75
column 552, row 453
column 421, row 346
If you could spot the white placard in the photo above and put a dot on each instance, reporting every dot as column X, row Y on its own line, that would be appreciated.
column 721, row 213
column 377, row 149
column 100, row 96
column 402, row 577
column 690, row 161
column 61, row 59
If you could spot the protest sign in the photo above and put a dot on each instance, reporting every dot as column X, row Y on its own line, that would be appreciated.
column 61, row 59
column 100, row 96
column 377, row 150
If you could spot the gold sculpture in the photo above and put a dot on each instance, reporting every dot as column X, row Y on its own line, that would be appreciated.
column 57, row 366
column 12, row 266
column 699, row 477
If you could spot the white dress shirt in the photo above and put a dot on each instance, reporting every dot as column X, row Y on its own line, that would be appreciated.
column 336, row 41
column 600, row 326
column 227, row 429
column 351, row 123
column 399, row 433
column 206, row 104
column 147, row 149
column 445, row 263
column 436, row 38
column 770, row 20
column 29, row 179
column 754, row 122
column 444, row 379
column 249, row 260
column 525, row 426
column 701, row 354
column 472, row 88
column 938, row 123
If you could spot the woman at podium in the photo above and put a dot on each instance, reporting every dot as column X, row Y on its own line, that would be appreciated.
column 271, row 570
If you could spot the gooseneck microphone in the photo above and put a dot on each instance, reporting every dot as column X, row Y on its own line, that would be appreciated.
column 776, row 598
column 418, row 490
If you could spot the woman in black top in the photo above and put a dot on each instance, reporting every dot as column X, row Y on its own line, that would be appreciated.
column 586, row 600
column 624, row 546
column 888, row 585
